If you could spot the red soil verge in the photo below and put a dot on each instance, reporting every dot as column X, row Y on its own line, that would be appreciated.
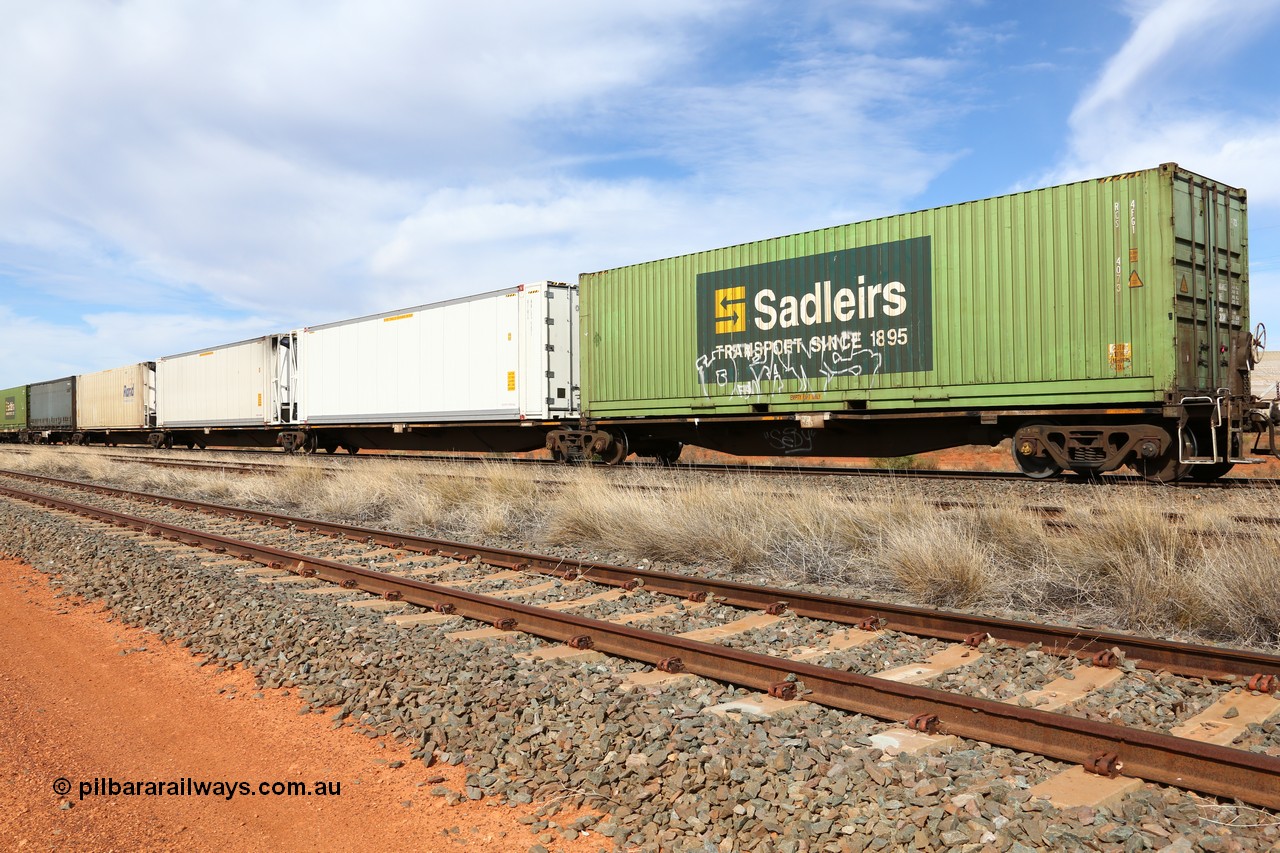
column 81, row 697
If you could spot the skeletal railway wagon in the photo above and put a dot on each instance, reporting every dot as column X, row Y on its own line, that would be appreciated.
column 1097, row 324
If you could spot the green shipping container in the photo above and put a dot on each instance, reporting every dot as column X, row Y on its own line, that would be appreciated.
column 14, row 416
column 1130, row 290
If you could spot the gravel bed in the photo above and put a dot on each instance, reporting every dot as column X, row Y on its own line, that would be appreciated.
column 1150, row 700
column 662, row 774
column 1003, row 673
column 789, row 634
column 632, row 602
column 692, row 618
column 888, row 651
column 1264, row 737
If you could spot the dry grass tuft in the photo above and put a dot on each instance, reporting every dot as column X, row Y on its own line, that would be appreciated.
column 940, row 563
column 661, row 518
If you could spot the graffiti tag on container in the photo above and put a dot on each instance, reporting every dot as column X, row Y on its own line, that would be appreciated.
column 765, row 367
column 790, row 439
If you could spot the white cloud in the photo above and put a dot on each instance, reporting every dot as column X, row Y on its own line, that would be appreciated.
column 1155, row 101
column 111, row 339
column 1161, row 28
column 260, row 150
column 298, row 162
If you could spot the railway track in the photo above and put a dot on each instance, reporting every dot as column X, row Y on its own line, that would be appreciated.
column 445, row 578
column 190, row 460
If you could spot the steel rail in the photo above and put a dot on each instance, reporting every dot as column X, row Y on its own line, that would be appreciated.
column 1190, row 659
column 1211, row 769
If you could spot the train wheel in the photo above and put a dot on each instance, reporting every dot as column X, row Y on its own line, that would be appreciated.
column 1209, row 473
column 615, row 453
column 618, row 448
column 1166, row 468
column 1035, row 467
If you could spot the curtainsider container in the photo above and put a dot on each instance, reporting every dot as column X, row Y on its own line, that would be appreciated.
column 14, row 416
column 123, row 398
column 51, row 407
column 1127, row 295
column 507, row 355
column 245, row 384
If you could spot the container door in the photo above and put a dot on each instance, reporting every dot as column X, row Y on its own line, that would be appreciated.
column 1211, row 295
column 284, row 379
column 149, row 393
column 562, row 378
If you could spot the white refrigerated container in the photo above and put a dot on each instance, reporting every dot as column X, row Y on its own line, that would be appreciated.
column 245, row 384
column 505, row 355
column 119, row 398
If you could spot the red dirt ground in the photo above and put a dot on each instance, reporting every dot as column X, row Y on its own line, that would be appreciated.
column 82, row 698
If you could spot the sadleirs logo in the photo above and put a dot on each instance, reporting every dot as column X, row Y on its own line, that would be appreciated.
column 10, row 408
column 731, row 311
column 808, row 320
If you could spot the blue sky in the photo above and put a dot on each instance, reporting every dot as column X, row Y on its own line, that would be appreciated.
column 177, row 175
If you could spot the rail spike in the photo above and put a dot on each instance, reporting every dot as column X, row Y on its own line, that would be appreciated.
column 784, row 690
column 1104, row 764
column 924, row 722
column 1264, row 683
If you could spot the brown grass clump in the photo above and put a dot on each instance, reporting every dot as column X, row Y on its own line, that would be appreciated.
column 940, row 563
column 658, row 518
column 491, row 499
column 1241, row 585
column 55, row 462
column 1133, row 563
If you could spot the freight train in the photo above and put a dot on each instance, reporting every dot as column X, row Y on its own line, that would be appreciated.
column 1097, row 324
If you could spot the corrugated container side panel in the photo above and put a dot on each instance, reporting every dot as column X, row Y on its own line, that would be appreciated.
column 1023, row 259
column 470, row 359
column 1045, row 297
column 114, row 399
column 13, row 414
column 226, row 386
column 51, row 405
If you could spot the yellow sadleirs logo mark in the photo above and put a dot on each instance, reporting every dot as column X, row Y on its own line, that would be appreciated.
column 731, row 310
